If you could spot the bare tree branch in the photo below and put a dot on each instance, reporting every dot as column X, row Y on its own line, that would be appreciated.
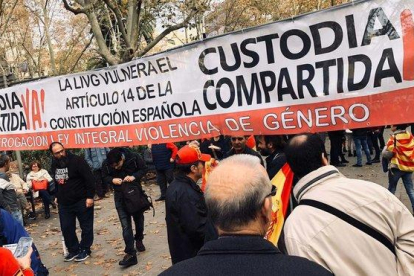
column 8, row 19
column 81, row 54
column 120, row 24
column 166, row 32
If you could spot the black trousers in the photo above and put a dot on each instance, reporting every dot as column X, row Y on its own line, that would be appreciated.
column 68, row 215
column 374, row 138
column 336, row 148
column 126, row 224
column 164, row 177
column 101, row 186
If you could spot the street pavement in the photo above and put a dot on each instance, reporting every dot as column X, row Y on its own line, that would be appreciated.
column 108, row 245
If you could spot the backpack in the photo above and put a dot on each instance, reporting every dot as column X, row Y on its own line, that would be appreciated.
column 135, row 199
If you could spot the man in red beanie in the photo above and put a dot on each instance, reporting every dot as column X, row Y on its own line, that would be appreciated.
column 186, row 211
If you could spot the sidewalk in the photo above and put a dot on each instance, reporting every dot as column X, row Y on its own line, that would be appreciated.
column 108, row 246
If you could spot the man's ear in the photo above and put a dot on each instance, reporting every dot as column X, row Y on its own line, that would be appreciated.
column 324, row 160
column 267, row 208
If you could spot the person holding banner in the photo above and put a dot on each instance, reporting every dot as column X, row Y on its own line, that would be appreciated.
column 240, row 207
column 272, row 147
column 239, row 146
column 349, row 226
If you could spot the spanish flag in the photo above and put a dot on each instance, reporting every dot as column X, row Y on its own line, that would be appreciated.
column 283, row 181
column 208, row 168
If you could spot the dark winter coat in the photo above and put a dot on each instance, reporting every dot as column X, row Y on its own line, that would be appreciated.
column 186, row 216
column 133, row 165
column 244, row 255
column 161, row 157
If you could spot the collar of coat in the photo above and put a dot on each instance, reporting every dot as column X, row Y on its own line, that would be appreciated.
column 184, row 178
column 239, row 244
column 314, row 178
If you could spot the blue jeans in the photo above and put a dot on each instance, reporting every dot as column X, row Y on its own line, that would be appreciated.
column 394, row 175
column 17, row 215
column 361, row 142
column 126, row 225
column 47, row 200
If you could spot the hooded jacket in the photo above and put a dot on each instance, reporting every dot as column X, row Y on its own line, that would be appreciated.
column 133, row 165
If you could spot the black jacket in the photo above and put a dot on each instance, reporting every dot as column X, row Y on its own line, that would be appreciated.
column 244, row 255
column 133, row 165
column 161, row 157
column 247, row 150
column 75, row 181
column 186, row 216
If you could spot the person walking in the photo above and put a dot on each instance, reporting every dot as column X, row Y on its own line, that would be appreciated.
column 401, row 143
column 360, row 140
column 75, row 192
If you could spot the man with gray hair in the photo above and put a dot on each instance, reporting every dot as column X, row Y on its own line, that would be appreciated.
column 8, row 197
column 238, row 199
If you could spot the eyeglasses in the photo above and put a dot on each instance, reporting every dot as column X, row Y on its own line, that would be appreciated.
column 34, row 165
column 237, row 139
column 59, row 152
column 273, row 191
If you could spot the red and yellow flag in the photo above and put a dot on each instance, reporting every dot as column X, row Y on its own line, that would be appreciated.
column 283, row 181
column 208, row 168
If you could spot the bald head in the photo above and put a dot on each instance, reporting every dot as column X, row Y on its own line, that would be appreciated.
column 304, row 153
column 236, row 190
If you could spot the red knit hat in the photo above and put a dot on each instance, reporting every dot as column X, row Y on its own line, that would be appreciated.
column 191, row 154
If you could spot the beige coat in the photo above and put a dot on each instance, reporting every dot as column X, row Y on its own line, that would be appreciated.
column 18, row 183
column 339, row 246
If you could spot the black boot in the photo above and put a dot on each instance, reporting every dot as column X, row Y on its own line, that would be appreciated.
column 128, row 260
